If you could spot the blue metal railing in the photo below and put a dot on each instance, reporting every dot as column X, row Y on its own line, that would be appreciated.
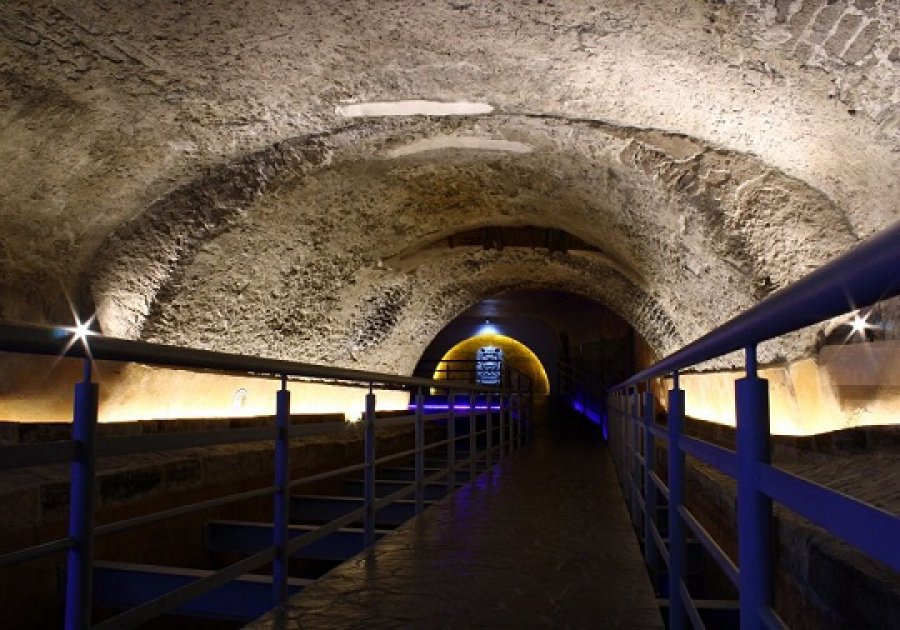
column 513, row 415
column 867, row 274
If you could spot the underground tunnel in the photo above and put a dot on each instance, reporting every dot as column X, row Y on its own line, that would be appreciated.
column 507, row 208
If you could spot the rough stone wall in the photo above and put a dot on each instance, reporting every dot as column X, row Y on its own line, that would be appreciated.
column 320, row 256
column 678, row 136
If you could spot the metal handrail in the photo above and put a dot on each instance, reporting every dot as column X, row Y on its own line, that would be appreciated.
column 867, row 274
column 851, row 281
column 83, row 449
column 62, row 341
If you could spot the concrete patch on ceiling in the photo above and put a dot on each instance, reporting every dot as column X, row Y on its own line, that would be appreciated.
column 412, row 108
column 468, row 143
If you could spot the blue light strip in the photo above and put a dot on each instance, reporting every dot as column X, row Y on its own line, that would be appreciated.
column 460, row 407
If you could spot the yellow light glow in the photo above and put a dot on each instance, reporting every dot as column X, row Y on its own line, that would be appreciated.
column 515, row 354
column 39, row 389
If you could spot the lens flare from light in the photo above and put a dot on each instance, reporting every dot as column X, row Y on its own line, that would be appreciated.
column 860, row 325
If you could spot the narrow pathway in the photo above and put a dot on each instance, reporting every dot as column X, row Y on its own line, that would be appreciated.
column 542, row 541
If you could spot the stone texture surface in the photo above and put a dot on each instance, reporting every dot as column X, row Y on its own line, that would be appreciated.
column 711, row 150
column 543, row 541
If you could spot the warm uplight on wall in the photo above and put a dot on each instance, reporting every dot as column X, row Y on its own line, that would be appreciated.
column 239, row 400
column 515, row 354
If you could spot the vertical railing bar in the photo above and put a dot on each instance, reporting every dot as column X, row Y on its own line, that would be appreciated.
column 500, row 412
column 754, row 507
column 677, row 543
column 651, row 557
column 489, row 437
column 79, row 564
column 473, row 451
column 281, row 499
column 420, row 451
column 451, row 443
column 633, row 464
column 369, row 496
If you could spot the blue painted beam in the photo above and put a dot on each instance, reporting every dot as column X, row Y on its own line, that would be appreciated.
column 316, row 509
column 248, row 537
column 402, row 473
column 383, row 488
column 123, row 586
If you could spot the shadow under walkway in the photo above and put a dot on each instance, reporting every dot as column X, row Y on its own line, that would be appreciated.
column 543, row 540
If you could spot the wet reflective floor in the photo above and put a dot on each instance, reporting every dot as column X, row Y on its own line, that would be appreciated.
column 541, row 541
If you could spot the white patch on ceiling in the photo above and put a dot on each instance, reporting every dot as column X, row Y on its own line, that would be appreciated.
column 413, row 108
column 471, row 143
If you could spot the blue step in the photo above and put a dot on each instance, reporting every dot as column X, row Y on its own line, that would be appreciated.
column 433, row 491
column 247, row 537
column 408, row 474
column 322, row 509
column 122, row 586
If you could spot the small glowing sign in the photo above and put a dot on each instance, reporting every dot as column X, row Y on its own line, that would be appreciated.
column 488, row 362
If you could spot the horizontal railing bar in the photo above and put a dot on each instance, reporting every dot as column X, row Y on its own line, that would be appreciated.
column 64, row 341
column 851, row 281
column 328, row 474
column 398, row 494
column 690, row 607
column 640, row 459
column 37, row 551
column 850, row 519
column 392, row 457
column 146, row 519
column 711, row 546
column 771, row 619
column 175, row 598
column 659, row 433
column 661, row 548
column 660, row 485
column 298, row 543
column 24, row 455
column 722, row 459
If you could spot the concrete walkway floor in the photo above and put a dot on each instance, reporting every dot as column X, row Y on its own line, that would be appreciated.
column 541, row 541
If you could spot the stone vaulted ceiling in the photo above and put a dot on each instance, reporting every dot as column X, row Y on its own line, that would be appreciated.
column 198, row 173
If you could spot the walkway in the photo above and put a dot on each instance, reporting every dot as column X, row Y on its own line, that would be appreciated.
column 543, row 541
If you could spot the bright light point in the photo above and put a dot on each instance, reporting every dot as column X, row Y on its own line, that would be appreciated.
column 487, row 328
column 860, row 325
column 82, row 330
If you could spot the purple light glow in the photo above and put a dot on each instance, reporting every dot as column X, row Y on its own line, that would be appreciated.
column 463, row 407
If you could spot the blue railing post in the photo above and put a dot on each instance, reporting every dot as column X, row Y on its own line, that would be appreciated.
column 281, row 517
column 634, row 470
column 420, row 452
column 754, row 508
column 500, row 411
column 79, row 565
column 369, row 496
column 677, row 543
column 489, row 436
column 650, row 553
column 473, row 468
column 451, row 443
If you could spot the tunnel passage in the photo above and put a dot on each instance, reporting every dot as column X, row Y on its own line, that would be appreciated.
column 558, row 327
